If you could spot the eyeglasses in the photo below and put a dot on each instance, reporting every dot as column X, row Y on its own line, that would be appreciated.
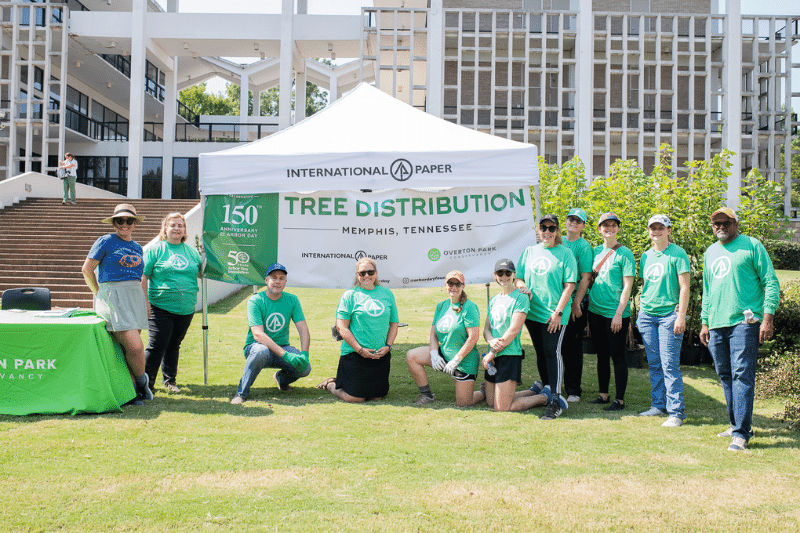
column 551, row 229
column 454, row 284
column 503, row 273
column 129, row 221
column 725, row 224
column 366, row 273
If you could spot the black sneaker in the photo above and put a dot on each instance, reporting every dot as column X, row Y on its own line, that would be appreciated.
column 616, row 406
column 144, row 393
column 553, row 410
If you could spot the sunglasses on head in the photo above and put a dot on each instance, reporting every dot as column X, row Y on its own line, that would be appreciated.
column 551, row 229
column 366, row 273
column 503, row 273
column 453, row 283
column 129, row 221
column 723, row 224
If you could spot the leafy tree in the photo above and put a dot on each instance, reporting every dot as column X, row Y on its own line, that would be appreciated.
column 203, row 103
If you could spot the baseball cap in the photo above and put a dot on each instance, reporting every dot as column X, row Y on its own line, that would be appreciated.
column 578, row 212
column 275, row 266
column 660, row 219
column 552, row 218
column 608, row 216
column 455, row 274
column 726, row 211
column 505, row 264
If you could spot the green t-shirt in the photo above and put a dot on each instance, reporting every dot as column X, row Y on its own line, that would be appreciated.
column 172, row 269
column 501, row 309
column 451, row 330
column 274, row 315
column 737, row 276
column 607, row 288
column 545, row 271
column 369, row 313
column 583, row 253
column 659, row 272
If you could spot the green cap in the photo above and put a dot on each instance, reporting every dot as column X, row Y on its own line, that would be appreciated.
column 578, row 212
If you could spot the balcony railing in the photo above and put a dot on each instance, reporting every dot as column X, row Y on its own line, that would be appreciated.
column 99, row 131
column 222, row 132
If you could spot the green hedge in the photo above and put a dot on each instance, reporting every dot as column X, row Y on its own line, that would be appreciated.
column 785, row 255
column 787, row 317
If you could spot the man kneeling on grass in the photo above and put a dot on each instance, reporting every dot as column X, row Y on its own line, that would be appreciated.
column 267, row 345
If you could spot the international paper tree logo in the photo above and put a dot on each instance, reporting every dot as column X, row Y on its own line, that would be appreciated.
column 541, row 266
column 374, row 307
column 179, row 262
column 434, row 254
column 401, row 169
column 499, row 314
column 275, row 322
column 445, row 323
column 721, row 267
column 654, row 272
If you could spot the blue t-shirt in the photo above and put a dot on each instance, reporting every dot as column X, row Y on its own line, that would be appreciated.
column 119, row 260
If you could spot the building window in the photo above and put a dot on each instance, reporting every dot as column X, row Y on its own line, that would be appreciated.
column 108, row 173
column 151, row 177
column 185, row 178
column 109, row 125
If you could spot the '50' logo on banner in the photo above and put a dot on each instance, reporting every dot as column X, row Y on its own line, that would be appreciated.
column 235, row 257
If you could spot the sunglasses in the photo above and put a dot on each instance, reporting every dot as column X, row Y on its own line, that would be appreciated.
column 454, row 283
column 366, row 273
column 725, row 224
column 129, row 221
column 575, row 220
column 503, row 273
column 551, row 229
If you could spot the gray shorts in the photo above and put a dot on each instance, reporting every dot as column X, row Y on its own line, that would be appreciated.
column 122, row 305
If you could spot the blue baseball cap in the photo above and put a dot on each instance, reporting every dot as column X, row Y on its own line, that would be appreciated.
column 578, row 212
column 608, row 216
column 275, row 266
column 660, row 219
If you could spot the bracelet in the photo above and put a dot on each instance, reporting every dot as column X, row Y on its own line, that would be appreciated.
column 388, row 346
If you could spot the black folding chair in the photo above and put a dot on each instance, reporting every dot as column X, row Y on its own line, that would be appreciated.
column 28, row 298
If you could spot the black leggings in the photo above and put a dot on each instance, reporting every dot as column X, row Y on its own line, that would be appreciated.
column 548, row 353
column 610, row 346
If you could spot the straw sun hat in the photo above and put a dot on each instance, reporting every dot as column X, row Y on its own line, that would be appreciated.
column 125, row 211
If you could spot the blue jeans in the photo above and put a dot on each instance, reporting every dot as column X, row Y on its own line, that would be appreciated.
column 663, row 349
column 735, row 350
column 259, row 357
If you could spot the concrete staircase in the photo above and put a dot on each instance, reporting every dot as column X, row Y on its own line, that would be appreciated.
column 44, row 243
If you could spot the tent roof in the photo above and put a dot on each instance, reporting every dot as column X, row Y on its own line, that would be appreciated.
column 368, row 139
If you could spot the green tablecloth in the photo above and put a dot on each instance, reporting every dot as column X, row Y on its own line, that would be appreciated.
column 60, row 365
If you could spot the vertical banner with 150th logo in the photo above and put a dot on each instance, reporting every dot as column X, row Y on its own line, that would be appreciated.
column 240, row 236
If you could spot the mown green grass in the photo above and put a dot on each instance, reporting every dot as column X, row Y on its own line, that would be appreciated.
column 301, row 461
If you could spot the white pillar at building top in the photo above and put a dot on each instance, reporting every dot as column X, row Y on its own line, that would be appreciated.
column 732, row 128
column 333, row 92
column 256, row 103
column 287, row 60
column 170, row 118
column 244, row 98
column 585, row 113
column 435, row 60
column 299, row 97
column 136, row 119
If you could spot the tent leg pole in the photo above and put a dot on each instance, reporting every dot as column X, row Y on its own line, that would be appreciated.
column 205, row 331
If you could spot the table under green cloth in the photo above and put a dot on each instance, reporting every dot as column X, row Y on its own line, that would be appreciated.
column 60, row 365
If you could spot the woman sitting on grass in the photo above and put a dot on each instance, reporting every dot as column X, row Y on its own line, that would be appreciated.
column 367, row 321
column 454, row 333
column 504, row 321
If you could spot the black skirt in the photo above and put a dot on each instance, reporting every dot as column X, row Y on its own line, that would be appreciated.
column 364, row 378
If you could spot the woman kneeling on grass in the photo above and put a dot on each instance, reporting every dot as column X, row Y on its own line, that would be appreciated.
column 504, row 321
column 454, row 333
column 367, row 321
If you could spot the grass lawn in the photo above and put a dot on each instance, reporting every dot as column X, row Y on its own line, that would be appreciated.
column 301, row 461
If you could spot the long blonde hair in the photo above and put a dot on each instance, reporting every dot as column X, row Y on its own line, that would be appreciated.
column 163, row 235
column 363, row 261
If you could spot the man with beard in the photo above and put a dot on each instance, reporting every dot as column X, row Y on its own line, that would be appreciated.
column 740, row 295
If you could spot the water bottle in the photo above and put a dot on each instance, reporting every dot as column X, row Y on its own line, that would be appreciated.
column 491, row 370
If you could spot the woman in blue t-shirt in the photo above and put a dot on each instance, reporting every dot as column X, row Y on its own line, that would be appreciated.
column 119, row 298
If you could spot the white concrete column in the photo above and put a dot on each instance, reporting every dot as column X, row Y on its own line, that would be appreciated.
column 170, row 118
column 136, row 119
column 435, row 61
column 173, row 6
column 287, row 58
column 333, row 93
column 244, row 95
column 256, row 103
column 732, row 128
column 299, row 97
column 584, row 102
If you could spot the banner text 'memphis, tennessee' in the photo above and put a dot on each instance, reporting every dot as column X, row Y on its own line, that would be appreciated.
column 440, row 205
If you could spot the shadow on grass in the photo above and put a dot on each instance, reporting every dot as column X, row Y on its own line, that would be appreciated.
column 227, row 304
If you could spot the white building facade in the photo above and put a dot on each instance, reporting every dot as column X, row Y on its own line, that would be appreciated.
column 598, row 79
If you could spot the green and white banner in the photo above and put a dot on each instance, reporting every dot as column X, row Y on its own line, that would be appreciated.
column 416, row 237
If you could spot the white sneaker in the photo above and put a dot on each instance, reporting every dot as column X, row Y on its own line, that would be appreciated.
column 728, row 433
column 672, row 422
column 573, row 398
column 738, row 444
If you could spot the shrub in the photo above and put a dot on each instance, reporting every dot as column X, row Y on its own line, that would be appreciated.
column 785, row 254
column 782, row 379
column 787, row 318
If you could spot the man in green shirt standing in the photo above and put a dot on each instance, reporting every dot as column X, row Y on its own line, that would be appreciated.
column 740, row 295
column 267, row 344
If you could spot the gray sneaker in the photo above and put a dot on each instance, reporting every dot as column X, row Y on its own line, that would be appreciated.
column 728, row 433
column 738, row 444
column 672, row 422
column 653, row 411
column 236, row 400
column 553, row 410
column 422, row 399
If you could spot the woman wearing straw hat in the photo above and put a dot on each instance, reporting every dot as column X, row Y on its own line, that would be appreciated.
column 120, row 299
column 454, row 333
